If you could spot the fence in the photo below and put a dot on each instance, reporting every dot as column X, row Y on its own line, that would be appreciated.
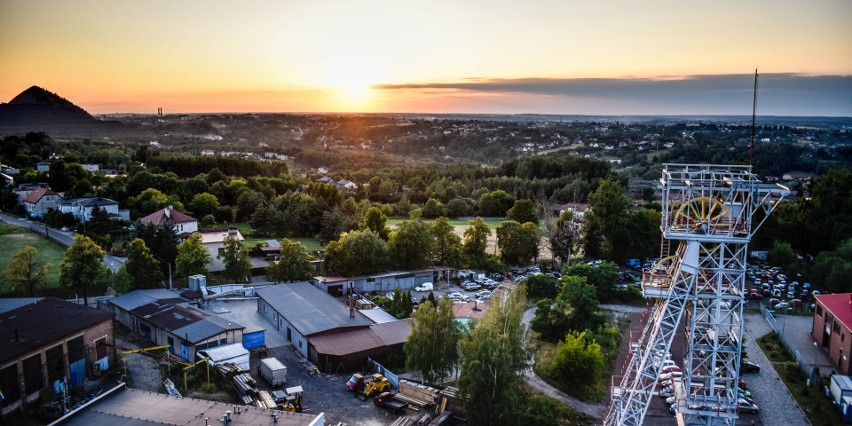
column 806, row 367
column 379, row 368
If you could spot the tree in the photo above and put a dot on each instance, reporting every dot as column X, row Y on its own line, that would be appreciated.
column 293, row 263
column 356, row 253
column 607, row 219
column 83, row 266
column 143, row 268
column 236, row 258
column 447, row 248
column 151, row 200
column 518, row 243
column 782, row 255
column 564, row 237
column 26, row 273
column 410, row 245
column 192, row 258
column 375, row 221
column 492, row 358
column 523, row 211
column 495, row 204
column 99, row 222
column 543, row 285
column 576, row 307
column 432, row 346
column 161, row 240
column 434, row 208
column 602, row 277
column 475, row 242
column 578, row 364
column 204, row 204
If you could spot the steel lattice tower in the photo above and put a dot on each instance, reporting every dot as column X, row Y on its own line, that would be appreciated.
column 708, row 212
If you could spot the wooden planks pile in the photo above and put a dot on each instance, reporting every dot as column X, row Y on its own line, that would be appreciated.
column 228, row 370
column 403, row 421
column 449, row 401
column 420, row 395
column 264, row 400
column 245, row 386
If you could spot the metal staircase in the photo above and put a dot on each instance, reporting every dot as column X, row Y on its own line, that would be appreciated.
column 708, row 210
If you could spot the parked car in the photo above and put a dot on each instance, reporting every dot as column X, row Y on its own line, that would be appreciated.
column 744, row 406
column 782, row 305
column 424, row 287
column 454, row 295
column 483, row 294
column 749, row 367
column 471, row 286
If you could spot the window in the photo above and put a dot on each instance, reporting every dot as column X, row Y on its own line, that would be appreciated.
column 33, row 377
column 221, row 251
column 837, row 327
column 842, row 337
column 300, row 343
column 101, row 350
column 819, row 311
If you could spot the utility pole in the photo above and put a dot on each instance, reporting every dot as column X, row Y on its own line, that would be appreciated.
column 753, row 116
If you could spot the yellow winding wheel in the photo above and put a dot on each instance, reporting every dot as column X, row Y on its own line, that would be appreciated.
column 701, row 213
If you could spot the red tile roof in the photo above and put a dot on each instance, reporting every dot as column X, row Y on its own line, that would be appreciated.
column 159, row 217
column 36, row 195
column 839, row 305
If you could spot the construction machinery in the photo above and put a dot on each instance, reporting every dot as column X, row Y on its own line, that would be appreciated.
column 293, row 400
column 358, row 381
column 376, row 386
column 710, row 213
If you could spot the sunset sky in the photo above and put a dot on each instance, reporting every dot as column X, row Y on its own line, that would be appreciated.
column 471, row 56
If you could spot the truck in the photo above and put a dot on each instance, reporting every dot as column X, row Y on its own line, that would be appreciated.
column 388, row 400
column 358, row 381
column 273, row 371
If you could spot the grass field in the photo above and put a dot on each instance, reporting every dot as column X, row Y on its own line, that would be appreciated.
column 12, row 240
column 492, row 223
column 311, row 244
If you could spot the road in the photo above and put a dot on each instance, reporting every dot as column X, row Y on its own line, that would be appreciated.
column 113, row 263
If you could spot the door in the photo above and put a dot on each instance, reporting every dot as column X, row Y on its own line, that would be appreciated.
column 184, row 351
column 78, row 371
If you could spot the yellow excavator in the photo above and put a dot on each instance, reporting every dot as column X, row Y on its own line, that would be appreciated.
column 378, row 385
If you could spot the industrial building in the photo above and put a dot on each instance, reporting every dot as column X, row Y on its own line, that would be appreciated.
column 385, row 282
column 125, row 406
column 164, row 318
column 50, row 340
column 333, row 336
column 832, row 328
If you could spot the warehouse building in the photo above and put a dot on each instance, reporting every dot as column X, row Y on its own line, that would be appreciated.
column 831, row 328
column 49, row 341
column 164, row 318
column 335, row 338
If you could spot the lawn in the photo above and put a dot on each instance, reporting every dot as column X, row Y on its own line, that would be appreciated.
column 311, row 244
column 12, row 240
column 818, row 408
column 492, row 223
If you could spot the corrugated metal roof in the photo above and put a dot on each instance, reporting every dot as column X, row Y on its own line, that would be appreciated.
column 393, row 333
column 309, row 309
column 137, row 298
column 377, row 315
column 226, row 352
column 346, row 342
column 17, row 302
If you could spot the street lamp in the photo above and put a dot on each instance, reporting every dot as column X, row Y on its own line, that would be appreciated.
column 170, row 268
column 816, row 350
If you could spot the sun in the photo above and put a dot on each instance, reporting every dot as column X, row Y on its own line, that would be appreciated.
column 350, row 80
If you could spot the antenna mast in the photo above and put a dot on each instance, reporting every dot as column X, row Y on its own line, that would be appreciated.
column 753, row 114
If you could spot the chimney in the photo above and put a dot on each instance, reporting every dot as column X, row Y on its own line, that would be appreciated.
column 351, row 300
column 168, row 211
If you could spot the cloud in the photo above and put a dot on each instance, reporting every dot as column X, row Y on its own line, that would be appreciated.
column 779, row 93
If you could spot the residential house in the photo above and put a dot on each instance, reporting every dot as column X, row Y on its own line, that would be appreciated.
column 82, row 208
column 182, row 223
column 40, row 200
column 214, row 242
column 91, row 168
column 47, row 341
column 43, row 166
column 24, row 189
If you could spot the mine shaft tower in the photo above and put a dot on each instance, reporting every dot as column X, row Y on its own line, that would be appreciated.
column 710, row 213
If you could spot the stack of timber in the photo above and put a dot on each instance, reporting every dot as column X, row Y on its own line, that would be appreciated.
column 228, row 370
column 416, row 394
column 403, row 421
column 264, row 400
column 449, row 401
column 245, row 386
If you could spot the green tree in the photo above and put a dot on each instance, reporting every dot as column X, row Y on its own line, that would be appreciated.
column 161, row 240
column 607, row 220
column 99, row 223
column 151, row 200
column 204, row 204
column 543, row 285
column 475, row 242
column 26, row 273
column 782, row 255
column 578, row 364
column 83, row 266
column 518, row 243
column 564, row 237
column 495, row 204
column 523, row 211
column 447, row 248
column 236, row 258
column 602, row 277
column 356, row 253
column 492, row 358
column 576, row 307
column 192, row 258
column 375, row 220
column 432, row 346
column 410, row 245
column 143, row 268
column 434, row 208
column 293, row 263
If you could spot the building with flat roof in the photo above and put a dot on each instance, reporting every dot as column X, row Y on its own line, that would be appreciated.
column 832, row 328
column 384, row 282
column 164, row 318
column 130, row 407
column 47, row 340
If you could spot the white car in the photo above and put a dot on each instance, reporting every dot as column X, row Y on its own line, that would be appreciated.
column 424, row 287
column 672, row 375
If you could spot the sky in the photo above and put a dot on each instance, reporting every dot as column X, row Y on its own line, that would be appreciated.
column 604, row 57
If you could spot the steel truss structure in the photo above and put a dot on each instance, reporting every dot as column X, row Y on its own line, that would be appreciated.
column 709, row 213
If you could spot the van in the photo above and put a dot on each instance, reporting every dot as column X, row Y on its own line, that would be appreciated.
column 424, row 287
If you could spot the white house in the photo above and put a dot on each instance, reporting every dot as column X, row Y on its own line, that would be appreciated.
column 82, row 208
column 182, row 223
column 24, row 189
column 40, row 200
column 214, row 242
column 91, row 168
column 43, row 167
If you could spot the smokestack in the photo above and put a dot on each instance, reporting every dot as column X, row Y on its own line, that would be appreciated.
column 351, row 300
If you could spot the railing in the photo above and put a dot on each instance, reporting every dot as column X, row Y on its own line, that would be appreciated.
column 773, row 322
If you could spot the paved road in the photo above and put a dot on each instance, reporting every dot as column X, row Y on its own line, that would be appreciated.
column 777, row 406
column 64, row 238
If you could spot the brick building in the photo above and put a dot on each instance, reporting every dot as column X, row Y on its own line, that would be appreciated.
column 46, row 341
column 832, row 329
